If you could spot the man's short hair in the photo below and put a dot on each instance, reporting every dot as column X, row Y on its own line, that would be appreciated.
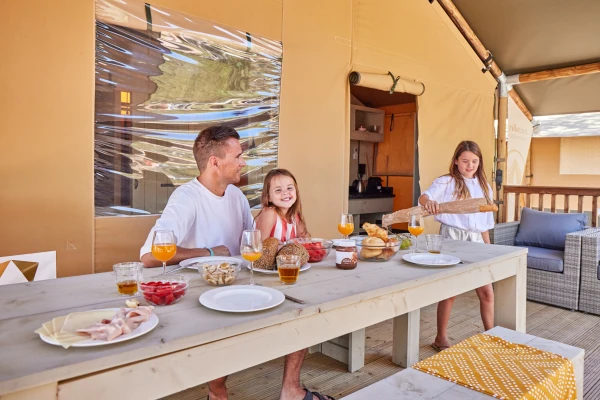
column 211, row 142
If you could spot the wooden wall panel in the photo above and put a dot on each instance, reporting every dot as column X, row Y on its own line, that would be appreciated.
column 119, row 239
column 46, row 134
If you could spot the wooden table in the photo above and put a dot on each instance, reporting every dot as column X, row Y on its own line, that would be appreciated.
column 192, row 344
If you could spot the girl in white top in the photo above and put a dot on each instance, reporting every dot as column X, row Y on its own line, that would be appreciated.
column 281, row 214
column 466, row 180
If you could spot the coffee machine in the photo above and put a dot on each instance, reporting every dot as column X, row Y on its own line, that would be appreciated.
column 359, row 184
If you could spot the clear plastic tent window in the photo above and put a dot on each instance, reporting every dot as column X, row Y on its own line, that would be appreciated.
column 162, row 77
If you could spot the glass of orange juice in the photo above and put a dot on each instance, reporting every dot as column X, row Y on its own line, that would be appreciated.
column 164, row 247
column 346, row 225
column 416, row 226
column 251, row 249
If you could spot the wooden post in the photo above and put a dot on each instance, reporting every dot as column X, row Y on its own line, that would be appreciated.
column 501, row 153
column 405, row 347
column 594, row 211
column 528, row 181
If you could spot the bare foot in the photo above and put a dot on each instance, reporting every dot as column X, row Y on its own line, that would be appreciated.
column 441, row 343
column 217, row 394
column 213, row 396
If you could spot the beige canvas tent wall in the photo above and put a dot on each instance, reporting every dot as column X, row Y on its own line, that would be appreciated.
column 48, row 100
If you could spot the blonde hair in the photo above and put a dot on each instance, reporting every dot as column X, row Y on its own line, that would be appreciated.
column 461, row 191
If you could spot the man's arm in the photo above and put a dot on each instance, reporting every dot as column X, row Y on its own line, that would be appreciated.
column 183, row 254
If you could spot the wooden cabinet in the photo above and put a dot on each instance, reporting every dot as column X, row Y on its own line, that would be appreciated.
column 371, row 119
column 395, row 155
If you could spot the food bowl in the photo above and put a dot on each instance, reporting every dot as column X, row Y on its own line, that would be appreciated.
column 317, row 248
column 403, row 243
column 219, row 273
column 164, row 290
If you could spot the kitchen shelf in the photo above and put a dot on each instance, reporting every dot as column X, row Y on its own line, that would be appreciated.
column 366, row 117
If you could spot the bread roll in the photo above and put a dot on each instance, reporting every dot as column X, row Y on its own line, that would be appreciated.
column 371, row 247
column 297, row 250
column 267, row 260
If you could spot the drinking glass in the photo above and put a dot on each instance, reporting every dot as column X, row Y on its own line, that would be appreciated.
column 346, row 225
column 251, row 249
column 288, row 266
column 164, row 247
column 434, row 243
column 416, row 226
column 127, row 276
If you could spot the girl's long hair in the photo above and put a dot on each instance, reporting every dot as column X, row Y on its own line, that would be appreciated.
column 461, row 191
column 295, row 211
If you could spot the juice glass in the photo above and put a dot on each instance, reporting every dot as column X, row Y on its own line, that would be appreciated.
column 164, row 247
column 416, row 226
column 288, row 266
column 127, row 276
column 346, row 225
column 251, row 249
column 434, row 243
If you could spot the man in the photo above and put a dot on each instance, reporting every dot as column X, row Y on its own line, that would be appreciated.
column 208, row 216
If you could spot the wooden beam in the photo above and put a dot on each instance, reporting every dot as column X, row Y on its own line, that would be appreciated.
column 501, row 151
column 517, row 99
column 558, row 73
column 479, row 48
column 468, row 33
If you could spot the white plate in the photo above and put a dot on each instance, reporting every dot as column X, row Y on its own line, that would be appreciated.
column 268, row 271
column 241, row 298
column 200, row 260
column 144, row 328
column 436, row 260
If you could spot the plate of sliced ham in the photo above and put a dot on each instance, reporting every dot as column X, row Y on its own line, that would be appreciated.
column 98, row 327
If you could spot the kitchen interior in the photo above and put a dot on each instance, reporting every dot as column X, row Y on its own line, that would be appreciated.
column 382, row 155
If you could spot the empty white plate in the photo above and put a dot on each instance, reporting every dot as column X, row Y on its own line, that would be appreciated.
column 241, row 298
column 274, row 271
column 436, row 260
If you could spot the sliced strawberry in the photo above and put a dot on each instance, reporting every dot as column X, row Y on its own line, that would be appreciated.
column 169, row 299
column 158, row 300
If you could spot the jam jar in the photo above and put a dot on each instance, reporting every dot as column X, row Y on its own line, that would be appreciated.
column 346, row 256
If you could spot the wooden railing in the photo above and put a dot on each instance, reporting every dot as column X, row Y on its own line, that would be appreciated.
column 524, row 196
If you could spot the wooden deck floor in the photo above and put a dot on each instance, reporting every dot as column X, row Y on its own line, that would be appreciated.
column 328, row 376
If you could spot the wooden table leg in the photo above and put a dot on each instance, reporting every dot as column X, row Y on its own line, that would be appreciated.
column 510, row 299
column 405, row 346
column 356, row 350
column 349, row 349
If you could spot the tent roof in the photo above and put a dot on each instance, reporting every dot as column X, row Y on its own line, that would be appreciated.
column 536, row 35
column 585, row 124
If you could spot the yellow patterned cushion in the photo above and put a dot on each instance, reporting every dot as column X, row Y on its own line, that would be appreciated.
column 493, row 366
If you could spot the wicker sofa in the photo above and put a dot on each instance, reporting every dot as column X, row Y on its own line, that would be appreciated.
column 589, row 293
column 553, row 276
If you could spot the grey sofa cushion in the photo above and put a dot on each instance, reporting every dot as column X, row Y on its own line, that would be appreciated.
column 547, row 230
column 545, row 259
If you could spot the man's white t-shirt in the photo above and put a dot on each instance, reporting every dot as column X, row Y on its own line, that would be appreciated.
column 201, row 219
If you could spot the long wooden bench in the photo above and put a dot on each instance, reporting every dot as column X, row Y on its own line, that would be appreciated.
column 413, row 384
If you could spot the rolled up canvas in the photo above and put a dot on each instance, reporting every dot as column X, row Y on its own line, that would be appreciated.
column 386, row 82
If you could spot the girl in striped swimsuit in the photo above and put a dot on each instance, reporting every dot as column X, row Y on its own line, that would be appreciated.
column 281, row 214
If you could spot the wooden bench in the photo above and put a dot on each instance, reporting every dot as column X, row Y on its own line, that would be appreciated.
column 413, row 384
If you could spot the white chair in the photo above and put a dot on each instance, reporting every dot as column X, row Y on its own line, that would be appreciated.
column 25, row 268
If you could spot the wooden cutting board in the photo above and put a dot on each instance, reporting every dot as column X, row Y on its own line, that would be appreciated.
column 468, row 206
